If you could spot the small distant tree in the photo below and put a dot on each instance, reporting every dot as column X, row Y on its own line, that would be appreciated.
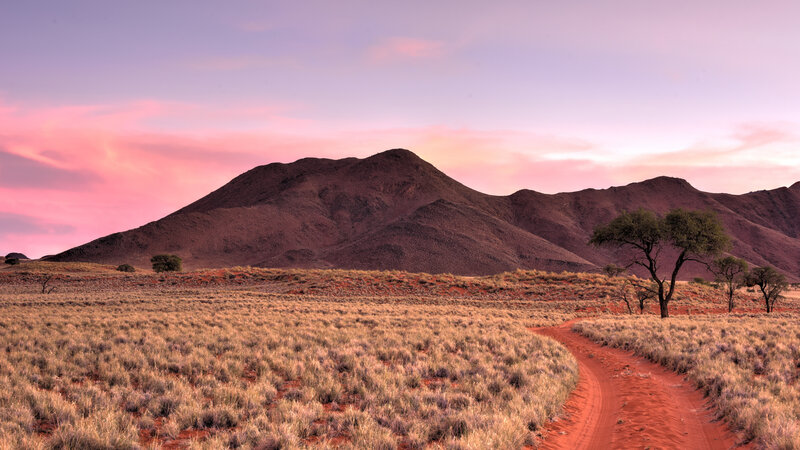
column 634, row 288
column 167, row 263
column 732, row 273
column 693, row 234
column 613, row 270
column 12, row 261
column 45, row 281
column 625, row 292
column 645, row 292
column 126, row 268
column 771, row 283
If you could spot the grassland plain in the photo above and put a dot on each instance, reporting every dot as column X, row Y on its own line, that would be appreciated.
column 749, row 365
column 566, row 292
column 265, row 358
column 161, row 365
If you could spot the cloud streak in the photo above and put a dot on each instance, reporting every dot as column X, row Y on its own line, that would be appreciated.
column 20, row 172
column 12, row 223
column 403, row 49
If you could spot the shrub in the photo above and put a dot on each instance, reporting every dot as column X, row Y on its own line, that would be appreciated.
column 126, row 268
column 12, row 261
column 167, row 263
column 612, row 270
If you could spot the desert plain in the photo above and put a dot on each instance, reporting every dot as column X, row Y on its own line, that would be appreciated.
column 244, row 357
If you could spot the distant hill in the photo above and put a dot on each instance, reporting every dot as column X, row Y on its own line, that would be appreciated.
column 395, row 211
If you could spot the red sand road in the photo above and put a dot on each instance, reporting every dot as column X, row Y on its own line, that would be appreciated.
column 623, row 401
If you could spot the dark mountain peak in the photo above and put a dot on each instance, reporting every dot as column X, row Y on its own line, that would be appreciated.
column 393, row 160
column 526, row 195
column 386, row 178
column 396, row 161
column 795, row 187
column 397, row 154
column 665, row 182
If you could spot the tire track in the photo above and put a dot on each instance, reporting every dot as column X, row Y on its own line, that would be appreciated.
column 623, row 401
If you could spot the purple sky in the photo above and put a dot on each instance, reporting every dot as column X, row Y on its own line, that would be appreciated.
column 113, row 114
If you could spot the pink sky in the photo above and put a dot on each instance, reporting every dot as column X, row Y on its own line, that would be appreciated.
column 111, row 117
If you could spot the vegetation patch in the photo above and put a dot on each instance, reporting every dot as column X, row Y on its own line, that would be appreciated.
column 219, row 368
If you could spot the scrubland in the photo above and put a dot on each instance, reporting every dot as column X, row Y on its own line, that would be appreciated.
column 269, row 358
column 748, row 365
column 124, row 365
column 566, row 292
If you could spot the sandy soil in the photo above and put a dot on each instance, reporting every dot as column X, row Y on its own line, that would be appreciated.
column 623, row 401
column 792, row 293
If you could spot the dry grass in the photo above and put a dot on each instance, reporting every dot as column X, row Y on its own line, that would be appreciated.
column 164, row 365
column 748, row 365
column 57, row 267
column 568, row 293
column 269, row 358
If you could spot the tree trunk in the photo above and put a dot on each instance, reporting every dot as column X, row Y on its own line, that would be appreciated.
column 662, row 304
column 730, row 302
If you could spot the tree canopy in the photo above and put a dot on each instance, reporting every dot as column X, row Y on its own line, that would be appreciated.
column 771, row 283
column 694, row 235
column 166, row 263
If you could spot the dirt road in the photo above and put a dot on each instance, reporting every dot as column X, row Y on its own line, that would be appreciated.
column 623, row 401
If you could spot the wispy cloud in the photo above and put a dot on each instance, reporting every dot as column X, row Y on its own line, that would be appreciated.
column 20, row 172
column 255, row 26
column 754, row 143
column 400, row 49
column 756, row 134
column 238, row 62
column 13, row 223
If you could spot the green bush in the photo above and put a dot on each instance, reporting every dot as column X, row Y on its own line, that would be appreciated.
column 126, row 268
column 167, row 263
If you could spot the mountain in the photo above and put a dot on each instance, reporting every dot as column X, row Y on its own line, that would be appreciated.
column 395, row 211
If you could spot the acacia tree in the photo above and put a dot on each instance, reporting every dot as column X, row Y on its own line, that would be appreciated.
column 771, row 283
column 694, row 235
column 732, row 272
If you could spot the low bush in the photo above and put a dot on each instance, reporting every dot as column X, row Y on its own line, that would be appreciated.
column 167, row 263
column 126, row 268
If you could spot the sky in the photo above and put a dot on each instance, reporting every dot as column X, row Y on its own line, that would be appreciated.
column 115, row 114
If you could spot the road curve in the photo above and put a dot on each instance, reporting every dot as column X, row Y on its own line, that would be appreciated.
column 623, row 401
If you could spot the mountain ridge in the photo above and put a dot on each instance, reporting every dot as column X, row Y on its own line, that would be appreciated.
column 393, row 210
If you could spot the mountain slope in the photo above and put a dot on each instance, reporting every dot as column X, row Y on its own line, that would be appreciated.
column 395, row 211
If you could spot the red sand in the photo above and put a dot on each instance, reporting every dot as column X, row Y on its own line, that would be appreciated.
column 623, row 401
